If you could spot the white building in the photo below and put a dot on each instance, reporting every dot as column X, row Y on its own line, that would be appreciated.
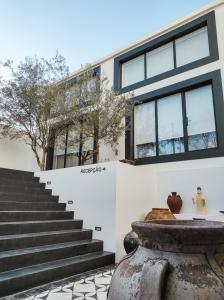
column 177, row 138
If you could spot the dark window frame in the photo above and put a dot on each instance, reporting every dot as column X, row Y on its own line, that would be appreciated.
column 205, row 20
column 213, row 78
column 50, row 156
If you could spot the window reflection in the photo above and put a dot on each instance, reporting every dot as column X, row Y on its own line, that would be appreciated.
column 170, row 125
column 133, row 71
column 200, row 127
column 201, row 120
column 70, row 149
column 145, row 133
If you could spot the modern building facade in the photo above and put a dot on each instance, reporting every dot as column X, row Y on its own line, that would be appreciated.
column 177, row 137
column 176, row 75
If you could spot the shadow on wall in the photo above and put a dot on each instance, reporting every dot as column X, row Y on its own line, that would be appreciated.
column 17, row 155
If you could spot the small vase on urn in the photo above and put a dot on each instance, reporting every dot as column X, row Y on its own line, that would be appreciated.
column 174, row 202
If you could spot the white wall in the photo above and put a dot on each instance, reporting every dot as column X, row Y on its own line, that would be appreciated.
column 17, row 155
column 111, row 199
column 94, row 196
column 122, row 194
column 136, row 188
column 184, row 177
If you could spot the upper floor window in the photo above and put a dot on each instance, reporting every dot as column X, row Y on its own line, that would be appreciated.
column 160, row 60
column 192, row 47
column 182, row 51
column 133, row 71
column 189, row 46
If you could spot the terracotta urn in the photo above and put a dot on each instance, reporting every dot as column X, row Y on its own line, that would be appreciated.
column 175, row 259
column 160, row 214
column 174, row 203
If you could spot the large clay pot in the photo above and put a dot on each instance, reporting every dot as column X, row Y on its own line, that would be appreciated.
column 175, row 260
column 174, row 203
column 160, row 214
column 130, row 242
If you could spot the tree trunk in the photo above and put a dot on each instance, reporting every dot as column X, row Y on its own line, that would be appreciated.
column 43, row 160
column 97, row 150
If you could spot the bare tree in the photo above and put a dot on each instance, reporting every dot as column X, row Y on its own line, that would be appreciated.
column 29, row 102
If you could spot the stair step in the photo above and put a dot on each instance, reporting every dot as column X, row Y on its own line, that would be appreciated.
column 20, row 241
column 22, row 178
column 24, row 190
column 28, row 206
column 16, row 280
column 15, row 172
column 6, row 216
column 38, row 226
column 39, row 240
column 26, row 197
column 21, row 258
column 18, row 183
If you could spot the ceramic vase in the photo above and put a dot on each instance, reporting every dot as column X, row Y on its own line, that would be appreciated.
column 174, row 203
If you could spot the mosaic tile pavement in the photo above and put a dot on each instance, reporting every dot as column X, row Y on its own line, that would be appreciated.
column 87, row 286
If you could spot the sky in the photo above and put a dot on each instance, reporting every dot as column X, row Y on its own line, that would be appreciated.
column 82, row 30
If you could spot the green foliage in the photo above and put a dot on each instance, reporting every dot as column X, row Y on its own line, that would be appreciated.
column 96, row 111
column 40, row 97
column 29, row 100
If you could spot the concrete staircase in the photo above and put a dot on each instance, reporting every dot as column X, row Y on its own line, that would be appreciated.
column 39, row 240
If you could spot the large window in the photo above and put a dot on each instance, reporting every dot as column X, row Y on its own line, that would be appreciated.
column 176, row 124
column 170, row 125
column 133, row 71
column 145, row 134
column 201, row 127
column 189, row 46
column 160, row 60
column 59, row 150
column 192, row 47
column 179, row 52
column 71, row 149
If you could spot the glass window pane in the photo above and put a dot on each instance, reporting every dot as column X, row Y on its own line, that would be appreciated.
column 160, row 60
column 72, row 158
column 192, row 47
column 201, row 119
column 87, row 150
column 170, row 125
column 73, row 140
column 133, row 71
column 59, row 150
column 87, row 144
column 144, row 133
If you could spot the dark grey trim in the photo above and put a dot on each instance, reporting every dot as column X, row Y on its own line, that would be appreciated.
column 185, row 121
column 50, row 151
column 208, row 19
column 213, row 78
column 66, row 146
